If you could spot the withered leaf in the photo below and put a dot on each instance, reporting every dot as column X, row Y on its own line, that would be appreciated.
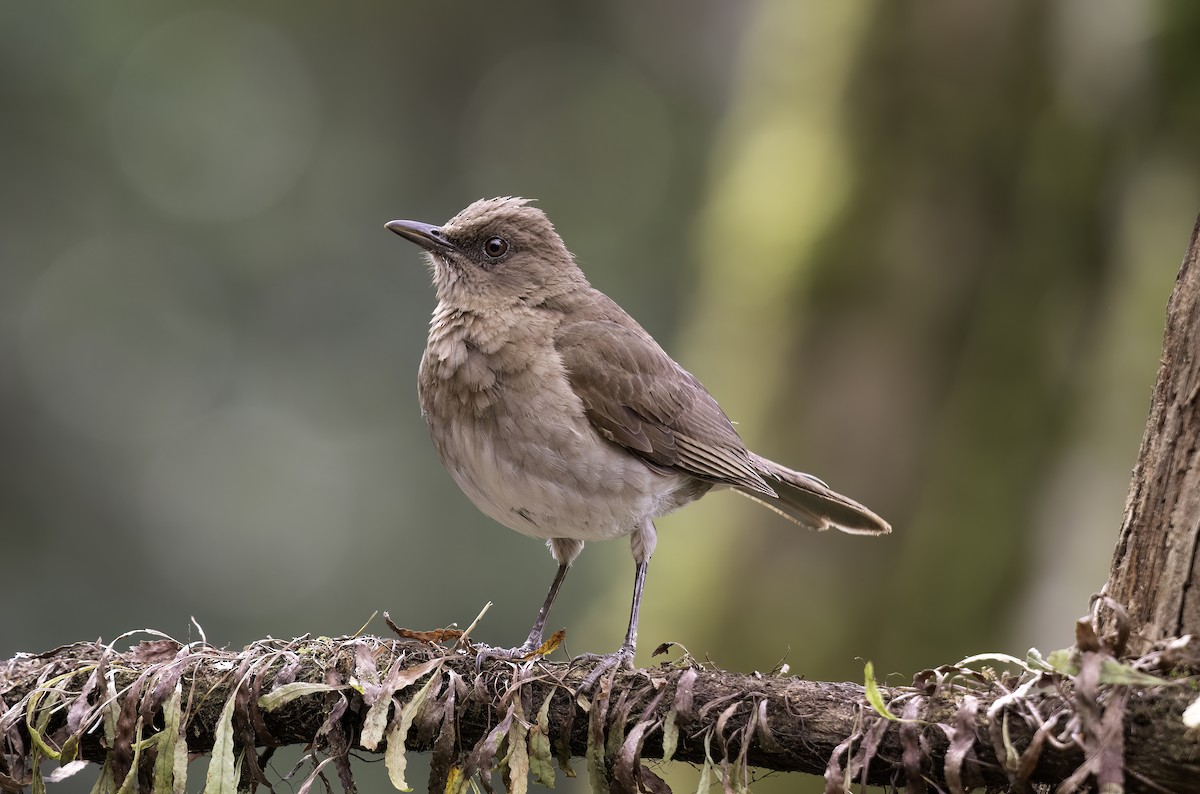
column 597, row 717
column 282, row 695
column 562, row 744
column 706, row 772
column 151, row 651
column 910, row 744
column 962, row 739
column 394, row 758
column 482, row 758
column 168, row 741
column 442, row 760
column 66, row 770
column 548, row 647
column 127, row 724
column 683, row 693
column 398, row 678
column 222, row 775
column 313, row 776
column 517, row 766
column 670, row 739
column 431, row 637
column 130, row 783
column 541, row 762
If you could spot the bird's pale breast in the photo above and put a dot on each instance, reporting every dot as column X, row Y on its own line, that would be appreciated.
column 514, row 436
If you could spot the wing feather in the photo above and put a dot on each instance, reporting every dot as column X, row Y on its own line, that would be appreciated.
column 635, row 395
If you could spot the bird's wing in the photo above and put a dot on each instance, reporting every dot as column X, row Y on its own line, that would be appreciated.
column 635, row 395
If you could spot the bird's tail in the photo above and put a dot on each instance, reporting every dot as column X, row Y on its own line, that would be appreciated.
column 811, row 503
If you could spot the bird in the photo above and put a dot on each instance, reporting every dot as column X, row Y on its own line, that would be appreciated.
column 560, row 417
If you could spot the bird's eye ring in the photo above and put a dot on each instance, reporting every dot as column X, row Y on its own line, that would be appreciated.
column 495, row 247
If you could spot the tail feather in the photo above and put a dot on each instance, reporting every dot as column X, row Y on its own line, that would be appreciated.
column 811, row 503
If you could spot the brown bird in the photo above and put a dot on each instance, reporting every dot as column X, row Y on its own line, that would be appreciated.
column 561, row 418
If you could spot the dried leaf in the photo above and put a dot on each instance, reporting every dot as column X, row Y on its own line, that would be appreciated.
column 170, row 737
column 766, row 735
column 962, row 739
column 1000, row 658
column 548, row 647
column 366, row 672
column 1102, row 727
column 105, row 784
column 683, row 693
column 394, row 757
column 652, row 783
column 151, row 651
column 562, row 744
column 910, row 744
column 130, row 784
column 312, row 777
column 37, row 717
column 437, row 635
column 397, row 679
column 670, row 740
column 661, row 649
column 128, row 722
column 616, row 725
column 222, row 775
column 861, row 766
column 706, row 772
column 282, row 695
column 517, row 777
column 456, row 781
column 483, row 757
column 837, row 777
column 81, row 713
column 541, row 762
column 442, row 759
column 628, row 761
column 65, row 771
column 1086, row 638
column 595, row 741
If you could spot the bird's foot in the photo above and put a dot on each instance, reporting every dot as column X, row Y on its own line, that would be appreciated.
column 605, row 662
column 484, row 653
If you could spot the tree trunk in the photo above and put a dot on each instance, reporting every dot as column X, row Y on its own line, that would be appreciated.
column 1156, row 569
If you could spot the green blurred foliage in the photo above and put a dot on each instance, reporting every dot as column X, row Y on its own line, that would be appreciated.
column 919, row 250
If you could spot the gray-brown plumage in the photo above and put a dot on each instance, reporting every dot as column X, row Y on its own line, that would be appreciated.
column 561, row 418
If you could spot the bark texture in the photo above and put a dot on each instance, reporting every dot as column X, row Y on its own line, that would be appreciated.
column 1156, row 568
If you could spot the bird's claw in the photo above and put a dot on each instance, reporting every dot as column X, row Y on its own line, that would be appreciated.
column 605, row 662
column 485, row 652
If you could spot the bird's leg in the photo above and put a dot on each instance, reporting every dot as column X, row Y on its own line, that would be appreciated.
column 539, row 626
column 624, row 655
column 534, row 641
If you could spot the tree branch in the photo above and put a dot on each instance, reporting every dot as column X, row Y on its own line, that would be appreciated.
column 770, row 722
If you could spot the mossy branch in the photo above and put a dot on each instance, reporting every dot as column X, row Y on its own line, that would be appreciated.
column 960, row 727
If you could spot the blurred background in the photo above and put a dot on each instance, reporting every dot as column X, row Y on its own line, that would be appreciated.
column 919, row 250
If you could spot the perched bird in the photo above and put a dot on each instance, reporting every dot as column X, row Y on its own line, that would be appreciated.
column 561, row 418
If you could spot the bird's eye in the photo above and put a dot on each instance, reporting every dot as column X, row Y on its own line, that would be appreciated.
column 496, row 247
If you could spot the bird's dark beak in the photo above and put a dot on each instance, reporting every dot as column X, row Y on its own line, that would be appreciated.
column 426, row 235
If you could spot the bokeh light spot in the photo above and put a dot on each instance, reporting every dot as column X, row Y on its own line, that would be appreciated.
column 125, row 339
column 213, row 116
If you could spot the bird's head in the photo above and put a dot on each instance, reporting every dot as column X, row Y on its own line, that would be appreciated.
column 495, row 253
